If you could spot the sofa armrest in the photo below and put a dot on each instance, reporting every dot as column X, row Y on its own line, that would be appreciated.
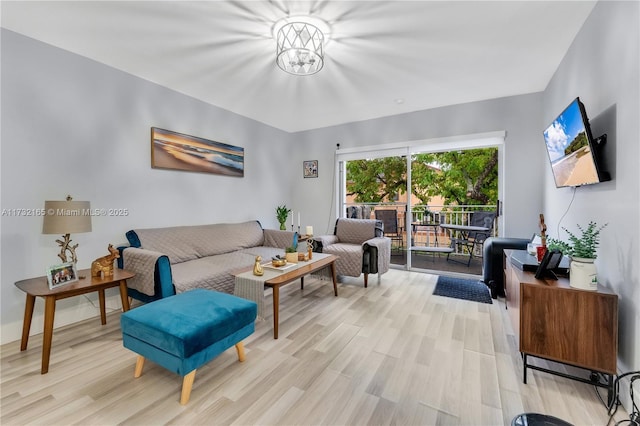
column 153, row 278
column 377, row 255
column 322, row 241
column 280, row 239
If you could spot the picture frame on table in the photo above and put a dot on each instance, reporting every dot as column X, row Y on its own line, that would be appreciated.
column 310, row 169
column 62, row 274
column 549, row 262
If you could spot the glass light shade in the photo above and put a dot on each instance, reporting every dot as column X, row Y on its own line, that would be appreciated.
column 299, row 49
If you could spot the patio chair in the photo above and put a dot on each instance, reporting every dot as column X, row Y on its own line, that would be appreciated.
column 472, row 239
column 360, row 246
column 391, row 229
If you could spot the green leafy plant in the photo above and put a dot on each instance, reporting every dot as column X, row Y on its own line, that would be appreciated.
column 290, row 249
column 282, row 212
column 583, row 246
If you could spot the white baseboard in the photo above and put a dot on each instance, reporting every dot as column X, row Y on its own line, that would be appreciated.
column 77, row 309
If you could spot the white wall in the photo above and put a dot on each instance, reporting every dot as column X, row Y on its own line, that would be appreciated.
column 602, row 68
column 73, row 126
column 524, row 152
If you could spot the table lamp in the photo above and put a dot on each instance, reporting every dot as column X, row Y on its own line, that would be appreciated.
column 66, row 217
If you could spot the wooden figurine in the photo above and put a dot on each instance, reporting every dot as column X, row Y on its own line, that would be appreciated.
column 543, row 231
column 257, row 267
column 103, row 266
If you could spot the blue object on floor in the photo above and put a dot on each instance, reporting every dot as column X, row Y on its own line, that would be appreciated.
column 185, row 331
column 460, row 288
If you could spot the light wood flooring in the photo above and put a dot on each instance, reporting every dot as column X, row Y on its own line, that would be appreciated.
column 389, row 354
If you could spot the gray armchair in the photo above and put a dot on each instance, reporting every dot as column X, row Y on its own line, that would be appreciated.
column 360, row 246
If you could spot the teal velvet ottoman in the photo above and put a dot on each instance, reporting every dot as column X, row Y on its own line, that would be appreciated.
column 185, row 331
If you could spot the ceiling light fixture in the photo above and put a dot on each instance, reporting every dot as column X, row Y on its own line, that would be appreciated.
column 300, row 45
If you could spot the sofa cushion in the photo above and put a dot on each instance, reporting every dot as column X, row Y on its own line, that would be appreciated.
column 211, row 272
column 265, row 252
column 349, row 260
column 184, row 243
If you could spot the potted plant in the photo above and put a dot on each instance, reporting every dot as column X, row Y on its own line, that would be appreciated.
column 582, row 251
column 282, row 212
column 291, row 254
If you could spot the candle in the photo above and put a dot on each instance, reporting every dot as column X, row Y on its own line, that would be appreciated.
column 298, row 219
column 309, row 230
column 291, row 220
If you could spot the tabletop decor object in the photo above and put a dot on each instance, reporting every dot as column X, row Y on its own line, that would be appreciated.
column 582, row 251
column 257, row 267
column 291, row 254
column 66, row 218
column 59, row 275
column 103, row 266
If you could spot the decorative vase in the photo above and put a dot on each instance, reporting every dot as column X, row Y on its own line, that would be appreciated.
column 283, row 227
column 582, row 274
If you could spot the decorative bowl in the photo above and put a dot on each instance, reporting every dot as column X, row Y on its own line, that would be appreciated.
column 278, row 263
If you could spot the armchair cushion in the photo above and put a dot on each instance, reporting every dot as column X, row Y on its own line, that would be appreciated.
column 355, row 231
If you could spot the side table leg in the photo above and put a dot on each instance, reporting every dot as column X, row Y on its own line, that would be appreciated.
column 26, row 324
column 124, row 296
column 103, row 310
column 49, row 315
column 276, row 309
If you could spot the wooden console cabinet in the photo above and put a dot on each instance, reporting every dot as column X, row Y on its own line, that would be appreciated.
column 559, row 323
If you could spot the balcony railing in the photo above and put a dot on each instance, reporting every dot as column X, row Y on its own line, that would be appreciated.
column 430, row 234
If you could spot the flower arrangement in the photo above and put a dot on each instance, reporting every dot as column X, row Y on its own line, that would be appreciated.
column 583, row 246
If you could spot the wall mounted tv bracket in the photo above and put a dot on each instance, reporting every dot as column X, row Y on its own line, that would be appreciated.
column 599, row 144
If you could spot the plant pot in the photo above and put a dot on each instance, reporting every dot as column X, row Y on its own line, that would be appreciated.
column 291, row 257
column 583, row 274
column 283, row 227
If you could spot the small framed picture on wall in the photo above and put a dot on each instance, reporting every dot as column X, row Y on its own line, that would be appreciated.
column 310, row 168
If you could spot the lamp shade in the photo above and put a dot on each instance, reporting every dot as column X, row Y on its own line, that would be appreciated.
column 66, row 217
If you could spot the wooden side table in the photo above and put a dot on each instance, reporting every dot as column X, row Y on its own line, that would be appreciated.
column 39, row 287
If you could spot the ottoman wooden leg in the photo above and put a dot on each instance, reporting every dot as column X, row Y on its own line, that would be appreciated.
column 187, row 383
column 240, row 350
column 139, row 365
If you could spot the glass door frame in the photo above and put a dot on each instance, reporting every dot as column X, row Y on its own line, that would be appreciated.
column 408, row 149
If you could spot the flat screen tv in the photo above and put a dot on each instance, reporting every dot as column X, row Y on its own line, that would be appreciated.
column 575, row 155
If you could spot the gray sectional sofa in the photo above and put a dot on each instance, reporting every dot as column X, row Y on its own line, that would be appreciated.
column 173, row 260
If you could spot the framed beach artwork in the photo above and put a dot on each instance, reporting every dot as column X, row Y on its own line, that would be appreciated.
column 310, row 169
column 177, row 151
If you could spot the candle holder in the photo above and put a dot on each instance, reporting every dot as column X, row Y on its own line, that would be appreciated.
column 310, row 246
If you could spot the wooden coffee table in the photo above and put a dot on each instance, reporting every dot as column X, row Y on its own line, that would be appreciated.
column 283, row 278
column 39, row 287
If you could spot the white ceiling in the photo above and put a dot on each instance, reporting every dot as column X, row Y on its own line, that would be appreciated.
column 427, row 53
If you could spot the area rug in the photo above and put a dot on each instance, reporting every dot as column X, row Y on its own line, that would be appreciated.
column 460, row 288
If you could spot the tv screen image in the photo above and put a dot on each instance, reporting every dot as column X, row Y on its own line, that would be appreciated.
column 570, row 147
